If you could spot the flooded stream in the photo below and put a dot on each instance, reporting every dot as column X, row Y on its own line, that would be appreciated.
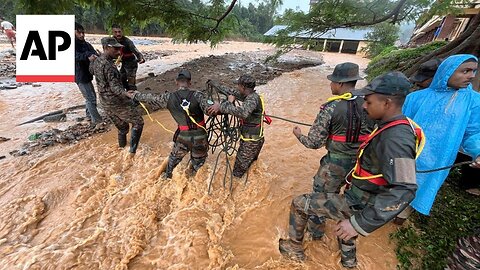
column 91, row 206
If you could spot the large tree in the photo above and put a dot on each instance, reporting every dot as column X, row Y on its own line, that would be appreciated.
column 193, row 21
column 184, row 20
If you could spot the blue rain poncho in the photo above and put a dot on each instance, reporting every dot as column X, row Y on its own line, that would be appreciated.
column 451, row 120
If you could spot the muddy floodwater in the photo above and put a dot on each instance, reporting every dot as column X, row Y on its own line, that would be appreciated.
column 91, row 206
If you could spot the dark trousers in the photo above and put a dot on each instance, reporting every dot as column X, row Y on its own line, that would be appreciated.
column 248, row 152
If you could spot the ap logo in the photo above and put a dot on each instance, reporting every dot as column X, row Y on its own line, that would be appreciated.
column 45, row 48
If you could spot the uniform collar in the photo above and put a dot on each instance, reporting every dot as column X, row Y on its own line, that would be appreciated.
column 397, row 117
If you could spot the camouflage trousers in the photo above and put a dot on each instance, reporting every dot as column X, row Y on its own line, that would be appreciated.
column 196, row 145
column 247, row 153
column 128, row 73
column 466, row 255
column 122, row 116
column 331, row 174
column 330, row 178
column 321, row 206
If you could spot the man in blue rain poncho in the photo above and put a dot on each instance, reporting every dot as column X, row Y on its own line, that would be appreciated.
column 449, row 113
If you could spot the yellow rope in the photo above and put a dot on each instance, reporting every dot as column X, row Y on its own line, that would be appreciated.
column 345, row 96
column 155, row 120
column 193, row 120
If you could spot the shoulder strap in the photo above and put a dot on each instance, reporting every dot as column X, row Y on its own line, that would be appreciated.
column 389, row 125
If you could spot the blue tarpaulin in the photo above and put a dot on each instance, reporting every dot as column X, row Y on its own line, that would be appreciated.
column 450, row 120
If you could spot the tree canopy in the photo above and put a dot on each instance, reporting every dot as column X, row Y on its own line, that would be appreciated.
column 183, row 20
column 214, row 20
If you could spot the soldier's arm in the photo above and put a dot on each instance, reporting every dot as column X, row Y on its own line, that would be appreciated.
column 114, row 81
column 158, row 100
column 318, row 133
column 134, row 49
column 397, row 154
column 202, row 100
column 226, row 90
column 243, row 111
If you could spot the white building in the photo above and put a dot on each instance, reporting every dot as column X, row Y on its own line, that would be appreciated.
column 341, row 40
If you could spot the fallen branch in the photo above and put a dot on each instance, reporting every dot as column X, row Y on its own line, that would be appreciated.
column 53, row 113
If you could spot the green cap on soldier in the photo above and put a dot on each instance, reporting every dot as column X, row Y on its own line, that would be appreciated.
column 246, row 80
column 345, row 72
column 392, row 83
column 184, row 74
column 110, row 42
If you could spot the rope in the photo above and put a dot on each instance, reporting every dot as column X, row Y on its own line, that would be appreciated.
column 155, row 120
column 446, row 167
column 345, row 96
column 288, row 120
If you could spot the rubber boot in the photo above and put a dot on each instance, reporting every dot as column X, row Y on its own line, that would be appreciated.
column 291, row 249
column 348, row 252
column 135, row 139
column 122, row 139
column 169, row 170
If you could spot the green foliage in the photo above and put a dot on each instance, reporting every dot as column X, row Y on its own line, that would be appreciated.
column 428, row 241
column 188, row 21
column 383, row 35
column 395, row 59
column 329, row 14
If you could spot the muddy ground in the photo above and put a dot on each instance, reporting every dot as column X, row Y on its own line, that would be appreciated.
column 226, row 69
column 223, row 68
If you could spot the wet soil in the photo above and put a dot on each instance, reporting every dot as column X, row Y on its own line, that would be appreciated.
column 222, row 68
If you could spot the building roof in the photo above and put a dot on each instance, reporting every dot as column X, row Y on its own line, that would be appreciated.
column 338, row 33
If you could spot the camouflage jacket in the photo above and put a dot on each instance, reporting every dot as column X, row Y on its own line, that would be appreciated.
column 129, row 51
column 250, row 111
column 109, row 85
column 333, row 120
column 391, row 153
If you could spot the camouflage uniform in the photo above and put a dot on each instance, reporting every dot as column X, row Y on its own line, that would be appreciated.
column 130, row 57
column 340, row 126
column 332, row 120
column 193, row 140
column 466, row 255
column 251, row 143
column 115, row 103
column 368, row 206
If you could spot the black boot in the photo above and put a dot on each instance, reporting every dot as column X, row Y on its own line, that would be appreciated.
column 135, row 139
column 169, row 170
column 291, row 249
column 122, row 139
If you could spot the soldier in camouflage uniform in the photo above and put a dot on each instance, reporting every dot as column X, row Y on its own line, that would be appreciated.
column 113, row 96
column 382, row 184
column 130, row 56
column 251, row 112
column 340, row 126
column 187, row 108
column 466, row 255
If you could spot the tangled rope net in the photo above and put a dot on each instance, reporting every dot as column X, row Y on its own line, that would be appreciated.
column 223, row 134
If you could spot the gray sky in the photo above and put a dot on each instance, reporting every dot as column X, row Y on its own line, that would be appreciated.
column 293, row 4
